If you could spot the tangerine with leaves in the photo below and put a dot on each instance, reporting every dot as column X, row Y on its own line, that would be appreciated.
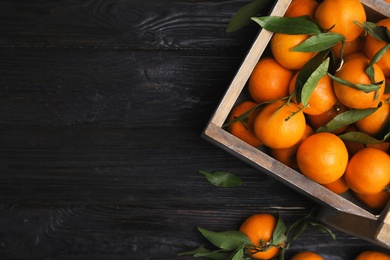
column 306, row 255
column 322, row 157
column 373, row 45
column 269, row 80
column 243, row 129
column 259, row 229
column 368, row 171
column 339, row 16
column 280, row 124
column 301, row 7
column 354, row 71
column 281, row 45
column 372, row 255
column 321, row 99
column 374, row 123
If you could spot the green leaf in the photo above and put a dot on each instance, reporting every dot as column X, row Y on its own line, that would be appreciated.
column 307, row 71
column 387, row 88
column 359, row 137
column 362, row 87
column 378, row 32
column 239, row 254
column 288, row 25
column 200, row 249
column 379, row 54
column 324, row 229
column 243, row 16
column 279, row 234
column 347, row 118
column 228, row 240
column 297, row 229
column 222, row 179
column 370, row 68
column 312, row 82
column 319, row 42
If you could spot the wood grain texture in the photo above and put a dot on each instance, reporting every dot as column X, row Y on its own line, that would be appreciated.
column 102, row 105
column 118, row 24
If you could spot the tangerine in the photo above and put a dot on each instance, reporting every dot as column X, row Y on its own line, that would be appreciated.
column 372, row 255
column 281, row 45
column 244, row 129
column 339, row 186
column 354, row 71
column 322, row 157
column 301, row 7
column 339, row 16
column 259, row 229
column 269, row 80
column 368, row 171
column 306, row 256
column 280, row 124
column 376, row 201
column 321, row 99
column 373, row 45
column 374, row 123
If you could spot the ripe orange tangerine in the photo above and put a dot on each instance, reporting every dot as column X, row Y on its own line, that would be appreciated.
column 368, row 171
column 321, row 99
column 339, row 17
column 373, row 45
column 339, row 186
column 281, row 45
column 306, row 256
column 374, row 123
column 258, row 228
column 322, row 157
column 269, row 80
column 372, row 255
column 244, row 129
column 301, row 7
column 376, row 201
column 354, row 71
column 280, row 124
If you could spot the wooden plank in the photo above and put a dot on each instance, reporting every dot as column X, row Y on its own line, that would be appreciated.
column 113, row 88
column 121, row 24
column 128, row 166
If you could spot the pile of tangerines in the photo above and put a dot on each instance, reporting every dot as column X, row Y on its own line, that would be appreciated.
column 296, row 133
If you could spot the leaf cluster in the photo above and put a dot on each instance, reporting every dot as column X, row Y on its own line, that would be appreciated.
column 234, row 245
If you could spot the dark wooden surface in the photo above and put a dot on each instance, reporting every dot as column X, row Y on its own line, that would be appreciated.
column 102, row 104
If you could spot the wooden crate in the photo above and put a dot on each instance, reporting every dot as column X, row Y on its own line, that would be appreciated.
column 339, row 211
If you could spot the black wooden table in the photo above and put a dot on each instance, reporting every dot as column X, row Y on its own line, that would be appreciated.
column 102, row 104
